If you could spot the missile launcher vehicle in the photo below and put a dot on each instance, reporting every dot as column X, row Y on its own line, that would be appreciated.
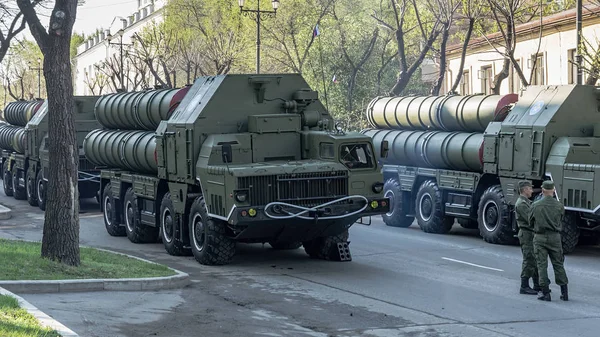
column 461, row 157
column 232, row 159
column 25, row 156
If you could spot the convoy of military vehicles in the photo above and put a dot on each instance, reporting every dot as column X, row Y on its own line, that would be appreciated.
column 257, row 158
column 461, row 157
column 232, row 158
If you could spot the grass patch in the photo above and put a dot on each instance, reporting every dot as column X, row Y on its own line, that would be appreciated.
column 17, row 322
column 22, row 261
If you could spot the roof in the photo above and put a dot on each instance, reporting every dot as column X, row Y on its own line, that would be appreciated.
column 552, row 21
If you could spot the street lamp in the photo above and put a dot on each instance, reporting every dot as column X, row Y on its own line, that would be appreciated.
column 256, row 15
column 120, row 44
column 39, row 69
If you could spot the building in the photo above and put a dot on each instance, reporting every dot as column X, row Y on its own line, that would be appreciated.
column 554, row 54
column 100, row 50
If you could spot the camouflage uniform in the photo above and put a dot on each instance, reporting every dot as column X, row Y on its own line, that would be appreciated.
column 529, row 267
column 546, row 217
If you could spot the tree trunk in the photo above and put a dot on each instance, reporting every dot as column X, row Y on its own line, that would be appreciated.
column 503, row 74
column 463, row 56
column 440, row 81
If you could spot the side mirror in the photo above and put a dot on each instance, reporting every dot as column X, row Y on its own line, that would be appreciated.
column 385, row 148
column 227, row 153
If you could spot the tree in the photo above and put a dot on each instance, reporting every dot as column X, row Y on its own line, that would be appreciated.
column 60, row 241
column 444, row 11
column 20, row 75
column 16, row 24
column 471, row 10
column 399, row 14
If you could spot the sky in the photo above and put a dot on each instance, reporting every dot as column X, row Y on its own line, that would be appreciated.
column 94, row 14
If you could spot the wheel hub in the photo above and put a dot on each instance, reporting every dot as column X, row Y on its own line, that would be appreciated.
column 129, row 216
column 40, row 190
column 426, row 206
column 167, row 223
column 490, row 216
column 390, row 194
column 199, row 236
column 107, row 211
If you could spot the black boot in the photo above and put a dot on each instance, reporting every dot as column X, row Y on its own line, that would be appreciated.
column 525, row 289
column 564, row 293
column 545, row 294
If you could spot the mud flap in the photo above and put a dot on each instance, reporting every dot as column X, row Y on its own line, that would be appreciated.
column 344, row 251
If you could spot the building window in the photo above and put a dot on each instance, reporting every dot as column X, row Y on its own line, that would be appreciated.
column 487, row 76
column 515, row 80
column 465, row 83
column 539, row 71
column 572, row 66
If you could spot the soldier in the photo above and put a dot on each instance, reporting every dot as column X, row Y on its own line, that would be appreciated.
column 529, row 268
column 546, row 218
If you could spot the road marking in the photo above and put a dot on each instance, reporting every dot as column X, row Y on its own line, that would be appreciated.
column 471, row 264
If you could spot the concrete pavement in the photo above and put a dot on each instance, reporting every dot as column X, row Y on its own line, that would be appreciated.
column 402, row 282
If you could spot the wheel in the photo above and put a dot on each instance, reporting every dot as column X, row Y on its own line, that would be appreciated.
column 31, row 189
column 40, row 190
column 429, row 209
column 136, row 231
column 169, row 220
column 7, row 181
column 397, row 215
column 325, row 248
column 19, row 193
column 285, row 245
column 570, row 232
column 110, row 211
column 493, row 217
column 208, row 237
column 467, row 223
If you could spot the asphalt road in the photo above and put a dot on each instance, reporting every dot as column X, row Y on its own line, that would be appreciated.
column 402, row 282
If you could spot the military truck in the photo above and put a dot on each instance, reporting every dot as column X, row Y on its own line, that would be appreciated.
column 461, row 157
column 25, row 157
column 241, row 159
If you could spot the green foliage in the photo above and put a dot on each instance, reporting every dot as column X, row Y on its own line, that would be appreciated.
column 76, row 41
column 17, row 322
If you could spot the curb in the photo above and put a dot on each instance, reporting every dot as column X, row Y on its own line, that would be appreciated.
column 180, row 280
column 5, row 213
column 44, row 319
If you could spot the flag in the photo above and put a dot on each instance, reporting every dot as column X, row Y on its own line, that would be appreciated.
column 334, row 80
column 316, row 31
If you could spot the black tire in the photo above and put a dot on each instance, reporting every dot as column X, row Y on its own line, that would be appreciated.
column 7, row 181
column 31, row 189
column 429, row 209
column 397, row 215
column 136, row 231
column 208, row 237
column 467, row 223
column 19, row 193
column 285, row 245
column 168, row 222
column 110, row 211
column 570, row 232
column 40, row 190
column 325, row 248
column 493, row 217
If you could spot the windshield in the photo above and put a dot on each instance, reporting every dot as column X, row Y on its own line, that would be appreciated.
column 355, row 156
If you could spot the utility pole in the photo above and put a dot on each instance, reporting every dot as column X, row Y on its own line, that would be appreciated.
column 39, row 70
column 579, row 57
column 120, row 44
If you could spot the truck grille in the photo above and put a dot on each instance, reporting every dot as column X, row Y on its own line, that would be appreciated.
column 303, row 189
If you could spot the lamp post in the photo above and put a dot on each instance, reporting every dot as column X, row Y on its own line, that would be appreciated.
column 258, row 14
column 120, row 44
column 39, row 70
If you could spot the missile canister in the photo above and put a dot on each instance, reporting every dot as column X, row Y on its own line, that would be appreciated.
column 432, row 149
column 471, row 113
column 143, row 110
column 12, row 138
column 20, row 113
column 125, row 149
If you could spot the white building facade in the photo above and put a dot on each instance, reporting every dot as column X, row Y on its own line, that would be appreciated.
column 555, row 53
column 100, row 48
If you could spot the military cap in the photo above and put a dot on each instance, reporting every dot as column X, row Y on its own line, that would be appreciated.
column 524, row 183
column 548, row 185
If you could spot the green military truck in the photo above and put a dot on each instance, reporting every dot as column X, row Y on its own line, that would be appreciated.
column 236, row 158
column 461, row 157
column 25, row 152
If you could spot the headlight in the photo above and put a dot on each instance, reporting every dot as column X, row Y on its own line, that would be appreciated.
column 377, row 187
column 241, row 196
